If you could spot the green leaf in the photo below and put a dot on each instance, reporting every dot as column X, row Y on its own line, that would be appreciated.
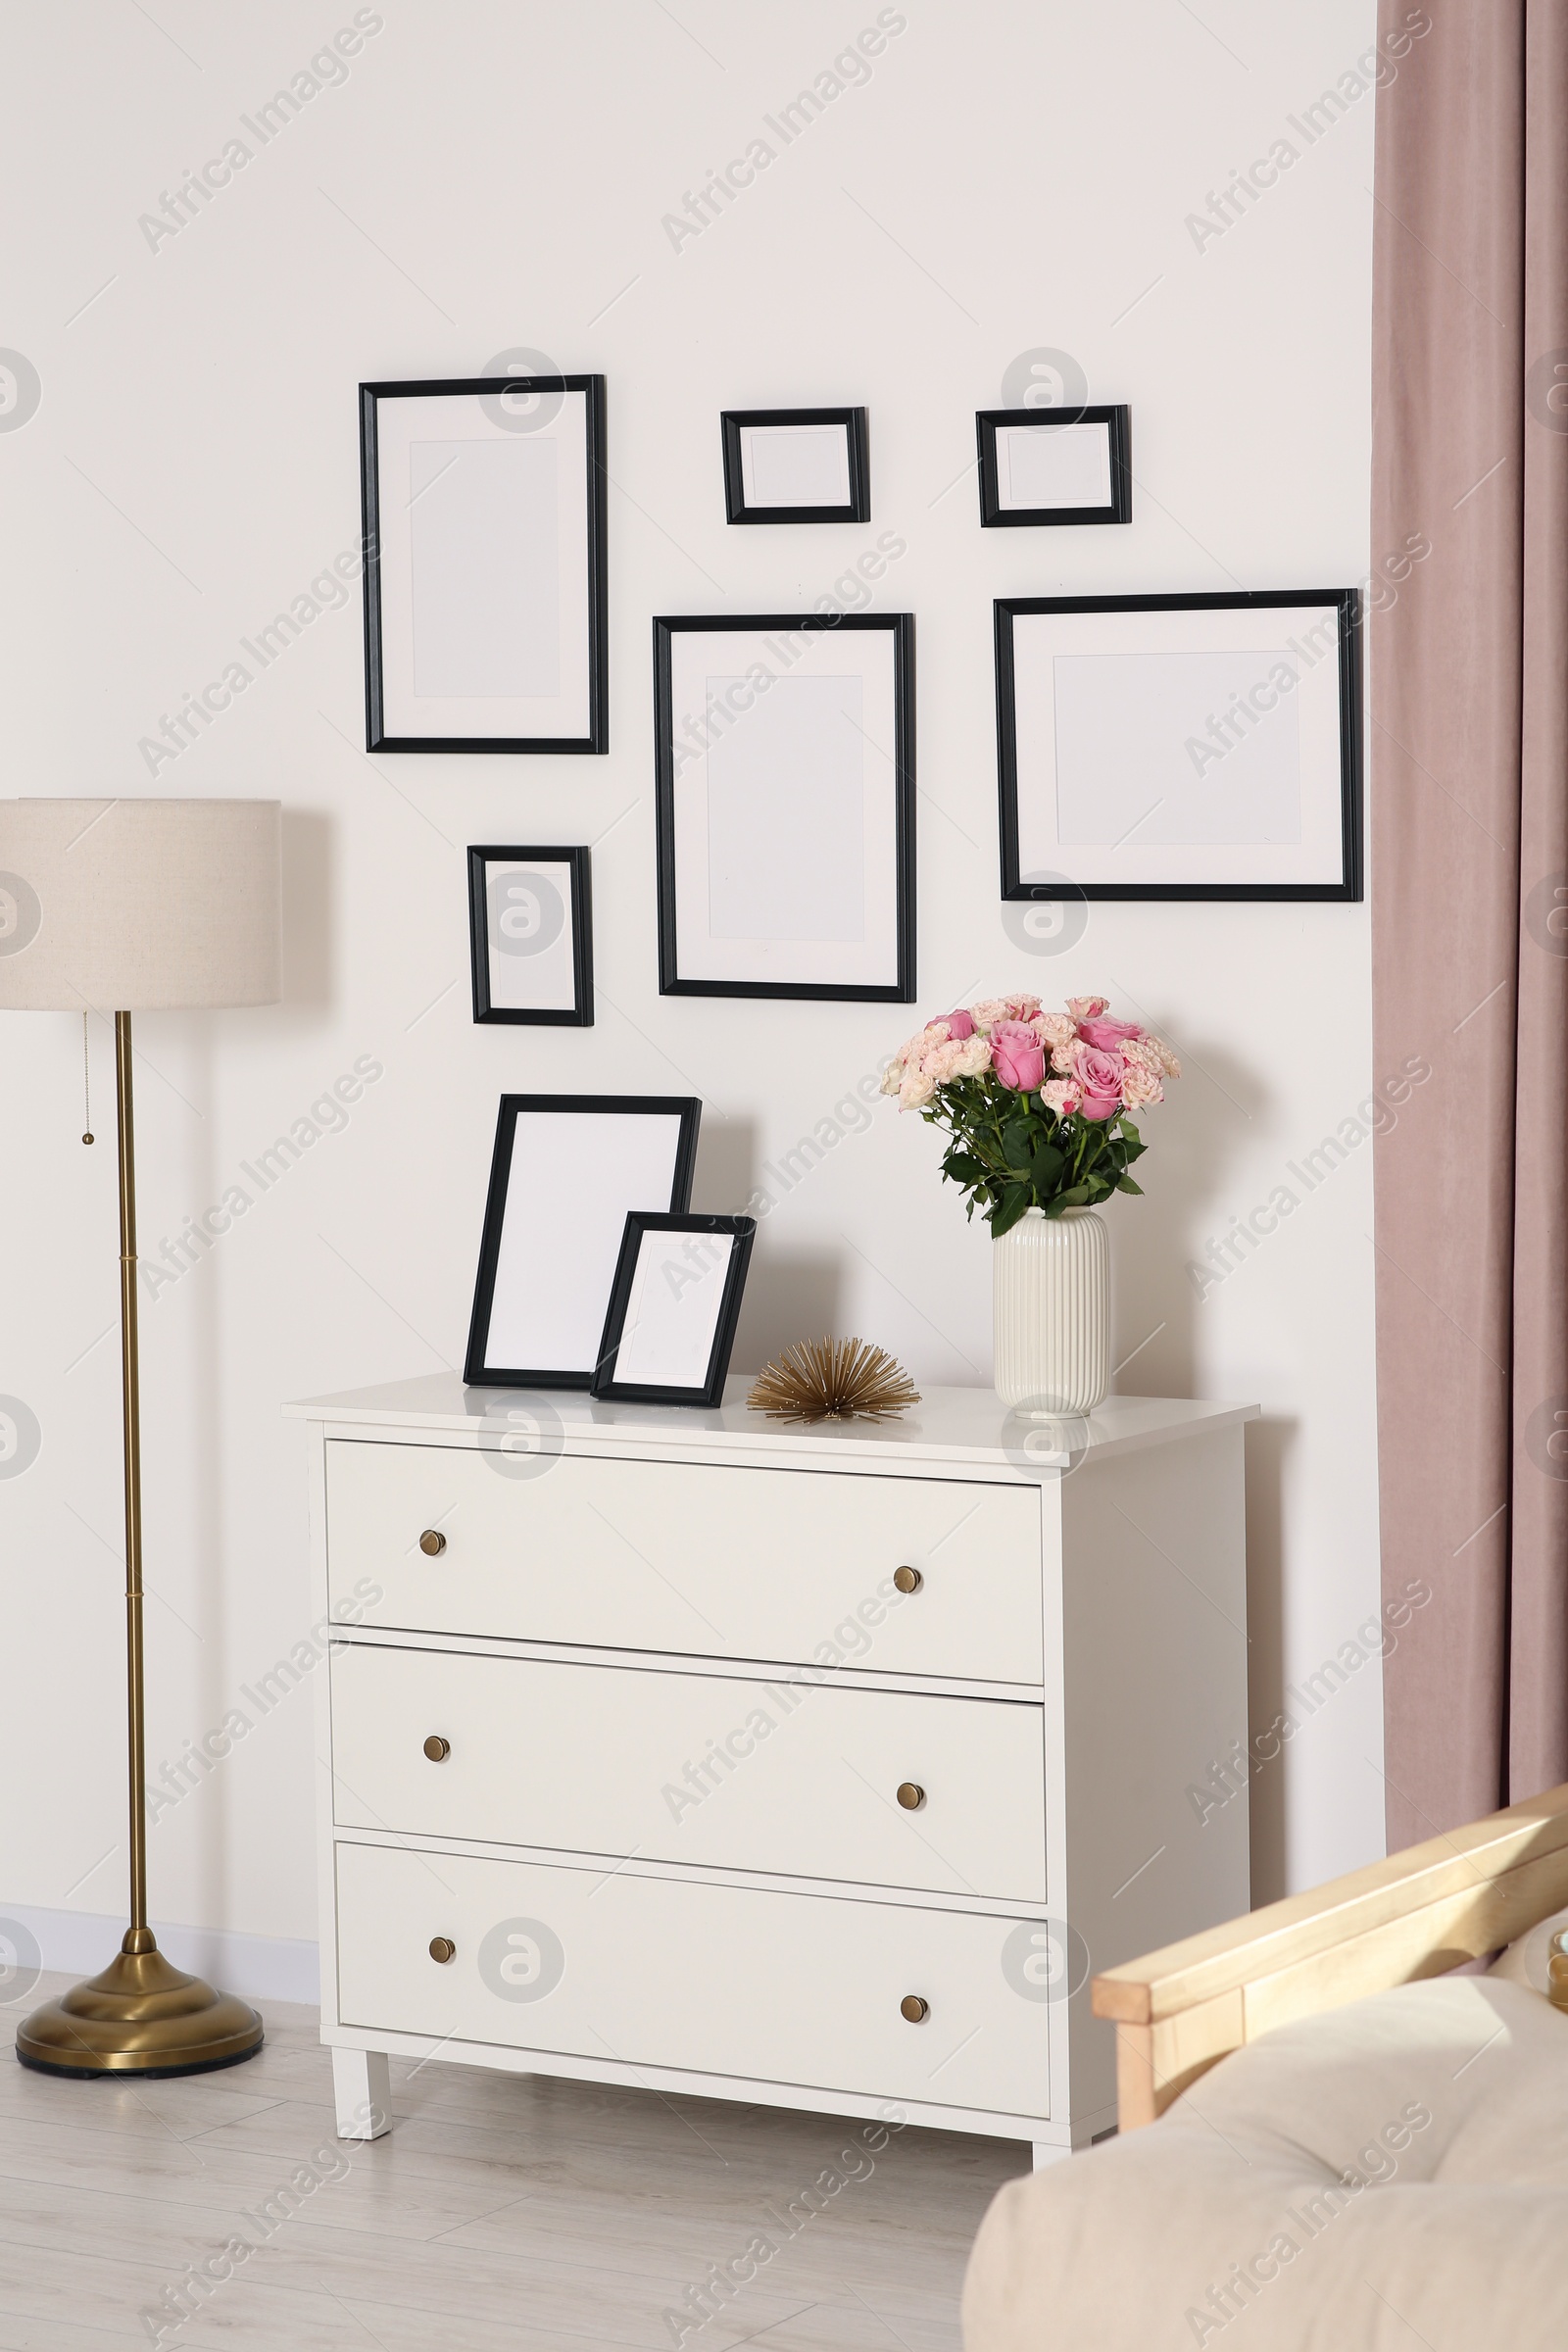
column 1127, row 1186
column 963, row 1167
column 1076, row 1197
column 1044, row 1166
column 1014, row 1201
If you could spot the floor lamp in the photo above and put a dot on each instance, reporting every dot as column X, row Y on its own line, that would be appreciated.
column 130, row 907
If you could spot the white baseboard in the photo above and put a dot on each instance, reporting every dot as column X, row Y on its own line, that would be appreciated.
column 275, row 1968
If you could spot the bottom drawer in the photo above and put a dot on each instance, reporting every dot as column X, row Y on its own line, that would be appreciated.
column 714, row 1980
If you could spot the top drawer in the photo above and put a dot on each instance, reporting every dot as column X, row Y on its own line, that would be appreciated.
column 794, row 1565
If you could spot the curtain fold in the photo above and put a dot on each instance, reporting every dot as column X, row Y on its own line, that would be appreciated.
column 1469, row 826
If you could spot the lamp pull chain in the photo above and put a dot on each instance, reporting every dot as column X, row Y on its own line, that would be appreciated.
column 86, row 1085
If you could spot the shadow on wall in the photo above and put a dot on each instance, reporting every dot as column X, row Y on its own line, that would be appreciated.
column 789, row 1296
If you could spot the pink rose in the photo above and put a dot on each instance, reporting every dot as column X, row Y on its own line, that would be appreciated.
column 989, row 1011
column 959, row 1025
column 1061, row 1094
column 1100, row 1075
column 1054, row 1029
column 1016, row 1055
column 1140, row 1085
column 974, row 1056
column 1023, row 1008
column 1154, row 1054
column 1087, row 1009
column 1107, row 1034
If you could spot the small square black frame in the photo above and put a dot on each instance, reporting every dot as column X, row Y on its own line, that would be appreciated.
column 901, row 625
column 581, row 1015
column 596, row 738
column 743, row 1231
column 858, row 509
column 1119, row 432
column 687, row 1108
column 1346, row 601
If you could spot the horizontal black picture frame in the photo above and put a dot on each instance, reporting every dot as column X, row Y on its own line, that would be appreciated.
column 831, row 860
column 1233, row 716
column 1088, row 447
column 742, row 455
column 545, row 936
column 675, row 1309
column 566, row 1171
column 437, row 566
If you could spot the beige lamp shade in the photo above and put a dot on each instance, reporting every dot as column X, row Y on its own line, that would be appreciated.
column 138, row 905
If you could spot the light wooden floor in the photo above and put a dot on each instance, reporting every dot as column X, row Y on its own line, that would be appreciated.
column 502, row 2214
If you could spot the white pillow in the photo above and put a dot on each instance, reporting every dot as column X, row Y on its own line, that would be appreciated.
column 1524, row 1962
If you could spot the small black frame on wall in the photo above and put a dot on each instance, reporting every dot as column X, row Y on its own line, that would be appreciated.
column 530, row 935
column 1039, row 465
column 483, row 509
column 1180, row 747
column 784, row 764
column 795, row 465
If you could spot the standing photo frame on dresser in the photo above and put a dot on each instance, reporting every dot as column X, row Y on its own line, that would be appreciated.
column 784, row 750
column 795, row 465
column 670, row 1330
column 1038, row 469
column 565, row 1172
column 1203, row 747
column 530, row 935
column 483, row 503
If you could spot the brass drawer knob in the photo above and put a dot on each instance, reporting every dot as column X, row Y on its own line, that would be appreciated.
column 914, row 2009
column 432, row 1543
column 443, row 1949
column 437, row 1749
column 908, row 1579
column 912, row 1797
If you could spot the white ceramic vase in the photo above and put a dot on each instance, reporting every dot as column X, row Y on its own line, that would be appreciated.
column 1050, row 1313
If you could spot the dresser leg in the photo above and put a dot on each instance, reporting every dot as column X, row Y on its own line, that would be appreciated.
column 1045, row 2151
column 362, row 2088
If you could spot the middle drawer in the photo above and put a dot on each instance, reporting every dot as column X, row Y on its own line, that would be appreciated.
column 796, row 1779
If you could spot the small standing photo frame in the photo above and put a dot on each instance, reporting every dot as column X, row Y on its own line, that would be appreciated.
column 785, row 800
column 1037, row 467
column 1180, row 747
column 530, row 934
column 567, row 1172
column 483, row 503
column 676, row 1300
column 795, row 465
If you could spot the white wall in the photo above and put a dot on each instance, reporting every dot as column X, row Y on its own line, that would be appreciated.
column 489, row 177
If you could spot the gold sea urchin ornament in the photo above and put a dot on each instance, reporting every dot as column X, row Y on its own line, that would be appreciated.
column 842, row 1380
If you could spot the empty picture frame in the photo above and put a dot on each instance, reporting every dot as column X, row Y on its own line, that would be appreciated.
column 530, row 934
column 1036, row 468
column 795, row 465
column 670, row 1329
column 785, row 800
column 1180, row 747
column 483, row 504
column 566, row 1171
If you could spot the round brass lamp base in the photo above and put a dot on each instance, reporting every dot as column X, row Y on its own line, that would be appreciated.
column 142, row 2016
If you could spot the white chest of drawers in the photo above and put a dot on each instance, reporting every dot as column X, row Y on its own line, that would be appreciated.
column 809, row 1766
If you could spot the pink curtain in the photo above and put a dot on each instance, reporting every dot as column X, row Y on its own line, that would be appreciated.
column 1469, row 800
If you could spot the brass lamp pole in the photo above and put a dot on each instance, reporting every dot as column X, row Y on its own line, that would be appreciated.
column 199, row 879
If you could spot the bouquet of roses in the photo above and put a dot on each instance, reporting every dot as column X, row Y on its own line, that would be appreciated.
column 1035, row 1103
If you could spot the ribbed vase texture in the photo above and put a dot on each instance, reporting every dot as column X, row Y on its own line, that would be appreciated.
column 1050, row 1313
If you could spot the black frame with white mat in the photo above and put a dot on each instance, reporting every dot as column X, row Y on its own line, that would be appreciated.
column 784, row 760
column 670, row 1330
column 1053, row 467
column 483, row 507
column 566, row 1171
column 1202, row 747
column 530, row 935
column 795, row 465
